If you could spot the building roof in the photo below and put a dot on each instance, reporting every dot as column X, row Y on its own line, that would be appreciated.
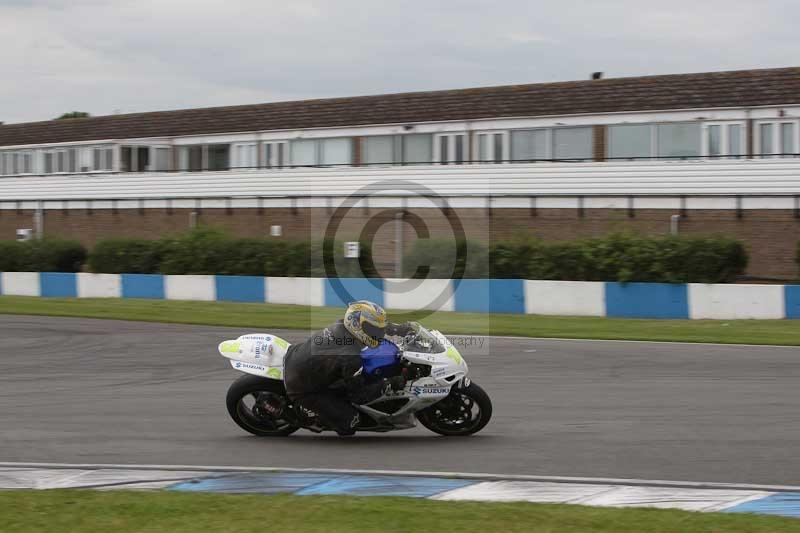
column 744, row 88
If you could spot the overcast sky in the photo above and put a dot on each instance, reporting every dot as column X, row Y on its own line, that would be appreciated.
column 141, row 55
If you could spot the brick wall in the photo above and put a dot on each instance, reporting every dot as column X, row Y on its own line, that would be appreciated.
column 771, row 235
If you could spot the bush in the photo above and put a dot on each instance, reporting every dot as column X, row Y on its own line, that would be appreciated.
column 616, row 257
column 42, row 255
column 130, row 256
column 623, row 257
column 444, row 258
column 211, row 251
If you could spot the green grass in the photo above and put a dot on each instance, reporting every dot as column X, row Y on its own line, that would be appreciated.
column 272, row 316
column 127, row 511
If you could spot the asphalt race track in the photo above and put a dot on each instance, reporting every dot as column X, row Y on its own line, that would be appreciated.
column 97, row 391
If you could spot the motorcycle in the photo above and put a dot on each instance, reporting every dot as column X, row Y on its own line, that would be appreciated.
column 437, row 393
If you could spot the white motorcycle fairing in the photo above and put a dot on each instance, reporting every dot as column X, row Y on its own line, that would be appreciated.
column 448, row 369
column 259, row 354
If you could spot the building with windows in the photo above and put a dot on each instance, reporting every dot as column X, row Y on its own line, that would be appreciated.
column 721, row 151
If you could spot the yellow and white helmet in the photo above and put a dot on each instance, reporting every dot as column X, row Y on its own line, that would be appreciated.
column 366, row 321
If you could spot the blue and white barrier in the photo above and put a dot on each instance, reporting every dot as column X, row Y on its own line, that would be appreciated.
column 515, row 296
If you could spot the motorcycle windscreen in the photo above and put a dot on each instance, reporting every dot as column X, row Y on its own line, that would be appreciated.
column 385, row 354
column 423, row 341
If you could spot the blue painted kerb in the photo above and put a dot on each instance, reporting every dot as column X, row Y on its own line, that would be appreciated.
column 143, row 286
column 792, row 298
column 489, row 295
column 240, row 288
column 341, row 291
column 58, row 284
column 647, row 300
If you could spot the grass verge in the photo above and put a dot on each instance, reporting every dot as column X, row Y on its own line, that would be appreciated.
column 128, row 511
column 274, row 316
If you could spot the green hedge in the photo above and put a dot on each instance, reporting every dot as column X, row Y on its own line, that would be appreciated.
column 446, row 259
column 129, row 256
column 211, row 251
column 623, row 257
column 616, row 257
column 42, row 255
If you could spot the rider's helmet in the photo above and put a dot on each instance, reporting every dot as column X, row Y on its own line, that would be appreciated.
column 366, row 321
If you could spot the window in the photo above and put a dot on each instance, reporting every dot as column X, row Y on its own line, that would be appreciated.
column 735, row 140
column 380, row 150
column 161, row 159
column 766, row 143
column 12, row 163
column 449, row 148
column 218, row 156
column 72, row 160
column 304, row 152
column 245, row 155
column 492, row 147
column 630, row 141
column 26, row 163
column 275, row 154
column 336, row 151
column 62, row 160
column 191, row 158
column 787, row 139
column 134, row 158
column 678, row 140
column 723, row 139
column 527, row 145
column 417, row 148
column 412, row 148
column 102, row 158
column 715, row 140
column 199, row 157
column 572, row 143
column 778, row 137
column 311, row 152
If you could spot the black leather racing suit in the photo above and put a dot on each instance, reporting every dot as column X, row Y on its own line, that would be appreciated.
column 329, row 359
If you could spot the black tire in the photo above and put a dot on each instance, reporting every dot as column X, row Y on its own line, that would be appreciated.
column 446, row 417
column 253, row 419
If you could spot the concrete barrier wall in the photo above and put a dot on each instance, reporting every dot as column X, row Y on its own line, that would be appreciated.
column 514, row 296
column 567, row 298
column 737, row 301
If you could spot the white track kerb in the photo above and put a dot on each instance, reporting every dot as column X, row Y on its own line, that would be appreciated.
column 690, row 496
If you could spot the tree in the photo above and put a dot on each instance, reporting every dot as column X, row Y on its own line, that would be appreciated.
column 74, row 114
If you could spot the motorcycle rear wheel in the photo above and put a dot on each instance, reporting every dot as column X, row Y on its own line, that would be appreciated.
column 465, row 411
column 244, row 400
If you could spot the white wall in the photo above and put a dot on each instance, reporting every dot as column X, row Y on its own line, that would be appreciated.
column 99, row 285
column 575, row 298
column 190, row 288
column 299, row 291
column 736, row 301
column 21, row 284
column 418, row 294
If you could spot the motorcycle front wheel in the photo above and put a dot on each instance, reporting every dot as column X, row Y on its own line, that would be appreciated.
column 246, row 400
column 466, row 410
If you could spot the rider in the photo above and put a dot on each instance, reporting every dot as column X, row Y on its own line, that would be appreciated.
column 331, row 358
